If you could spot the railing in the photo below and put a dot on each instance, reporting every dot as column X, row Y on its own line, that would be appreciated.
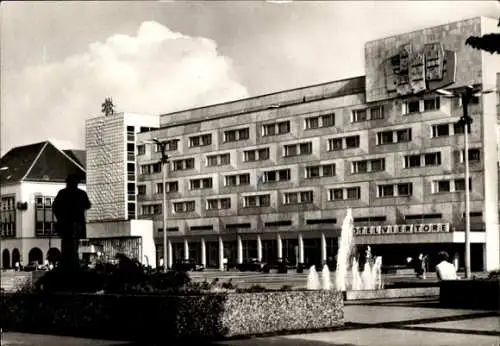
column 130, row 156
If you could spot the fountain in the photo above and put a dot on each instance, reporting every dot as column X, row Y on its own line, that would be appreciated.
column 327, row 284
column 313, row 279
column 371, row 276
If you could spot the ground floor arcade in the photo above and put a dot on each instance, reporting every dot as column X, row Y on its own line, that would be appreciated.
column 212, row 251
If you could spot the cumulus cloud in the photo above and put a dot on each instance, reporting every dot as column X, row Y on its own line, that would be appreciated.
column 156, row 71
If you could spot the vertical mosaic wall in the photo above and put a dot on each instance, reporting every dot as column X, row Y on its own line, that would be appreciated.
column 105, row 144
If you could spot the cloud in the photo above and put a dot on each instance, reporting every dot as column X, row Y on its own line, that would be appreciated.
column 156, row 71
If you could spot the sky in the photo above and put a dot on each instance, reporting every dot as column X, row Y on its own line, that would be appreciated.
column 60, row 60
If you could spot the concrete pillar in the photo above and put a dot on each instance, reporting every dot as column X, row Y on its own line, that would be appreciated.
column 301, row 249
column 240, row 249
column 221, row 254
column 259, row 248
column 170, row 255
column 280, row 246
column 186, row 249
column 323, row 248
column 203, row 253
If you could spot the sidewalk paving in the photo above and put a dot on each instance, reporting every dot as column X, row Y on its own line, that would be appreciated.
column 403, row 322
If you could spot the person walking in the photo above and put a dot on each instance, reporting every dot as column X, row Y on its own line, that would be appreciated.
column 69, row 207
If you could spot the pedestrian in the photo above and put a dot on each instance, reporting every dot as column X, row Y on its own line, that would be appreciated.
column 69, row 207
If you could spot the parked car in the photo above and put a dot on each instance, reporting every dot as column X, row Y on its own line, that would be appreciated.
column 188, row 265
column 251, row 265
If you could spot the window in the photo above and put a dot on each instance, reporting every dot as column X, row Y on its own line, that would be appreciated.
column 460, row 184
column 431, row 104
column 8, row 216
column 328, row 120
column 377, row 113
column 182, row 165
column 170, row 145
column 141, row 190
column 315, row 122
column 327, row 170
column 277, row 175
column 156, row 167
column 184, row 207
column 197, row 184
column 403, row 135
column 257, row 201
column 415, row 161
column 218, row 160
column 278, row 223
column 474, row 155
column 44, row 218
column 145, row 169
column 410, row 107
column 335, row 144
column 298, row 149
column 366, row 166
column 412, row 161
column 300, row 197
column 276, row 129
column 353, row 192
column 432, row 159
column 141, row 149
column 236, row 135
column 256, row 155
column 440, row 130
column 349, row 193
column 395, row 190
column 359, row 115
column 405, row 189
column 459, row 128
column 201, row 140
column 312, row 123
column 443, row 186
column 385, row 137
column 352, row 142
column 151, row 209
column 219, row 203
column 237, row 179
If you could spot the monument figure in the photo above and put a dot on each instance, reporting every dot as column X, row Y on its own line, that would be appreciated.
column 69, row 207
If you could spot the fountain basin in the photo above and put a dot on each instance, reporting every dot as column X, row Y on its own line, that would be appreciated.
column 410, row 292
column 203, row 316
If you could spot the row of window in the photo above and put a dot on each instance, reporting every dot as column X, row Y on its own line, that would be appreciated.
column 307, row 196
column 306, row 148
column 316, row 171
column 312, row 122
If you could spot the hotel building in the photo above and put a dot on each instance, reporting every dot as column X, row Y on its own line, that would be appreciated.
column 272, row 176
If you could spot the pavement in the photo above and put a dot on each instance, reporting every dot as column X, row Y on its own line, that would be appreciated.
column 390, row 322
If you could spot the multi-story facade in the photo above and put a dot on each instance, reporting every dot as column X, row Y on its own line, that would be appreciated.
column 30, row 178
column 272, row 176
column 111, row 143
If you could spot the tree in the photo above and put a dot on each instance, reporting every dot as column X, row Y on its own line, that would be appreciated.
column 488, row 42
column 108, row 108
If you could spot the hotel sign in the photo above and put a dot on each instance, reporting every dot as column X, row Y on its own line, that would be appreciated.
column 412, row 71
column 403, row 229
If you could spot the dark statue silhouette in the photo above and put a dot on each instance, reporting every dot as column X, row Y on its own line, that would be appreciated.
column 69, row 207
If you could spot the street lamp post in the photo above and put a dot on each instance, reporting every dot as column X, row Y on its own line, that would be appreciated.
column 164, row 161
column 466, row 121
column 164, row 168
